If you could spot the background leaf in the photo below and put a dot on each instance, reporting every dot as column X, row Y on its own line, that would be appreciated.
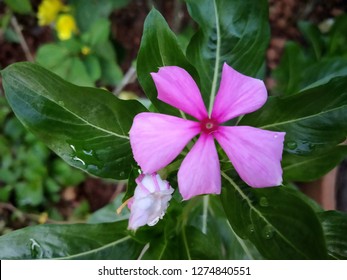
column 19, row 6
column 87, row 127
column 235, row 32
column 275, row 220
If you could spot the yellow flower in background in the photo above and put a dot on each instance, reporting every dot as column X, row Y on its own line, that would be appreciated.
column 48, row 11
column 65, row 26
column 86, row 50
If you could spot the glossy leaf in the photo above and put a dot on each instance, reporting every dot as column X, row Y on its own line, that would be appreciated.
column 335, row 227
column 275, row 220
column 309, row 168
column 236, row 32
column 314, row 119
column 201, row 231
column 87, row 127
column 75, row 241
column 208, row 216
column 159, row 47
column 188, row 244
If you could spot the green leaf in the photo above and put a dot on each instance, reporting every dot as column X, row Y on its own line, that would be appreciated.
column 19, row 6
column 275, row 220
column 87, row 127
column 309, row 168
column 111, row 73
column 91, row 10
column 314, row 119
column 58, row 59
column 335, row 227
column 208, row 216
column 75, row 241
column 29, row 193
column 98, row 33
column 159, row 47
column 313, row 36
column 74, row 71
column 188, row 244
column 93, row 67
column 235, row 32
column 288, row 74
column 50, row 55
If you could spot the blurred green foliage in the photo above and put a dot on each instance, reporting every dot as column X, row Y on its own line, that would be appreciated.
column 89, row 56
column 30, row 175
column 322, row 57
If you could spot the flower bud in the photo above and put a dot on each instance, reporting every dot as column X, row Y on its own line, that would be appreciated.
column 150, row 201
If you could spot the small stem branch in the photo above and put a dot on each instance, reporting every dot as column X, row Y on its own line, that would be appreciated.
column 128, row 78
column 22, row 41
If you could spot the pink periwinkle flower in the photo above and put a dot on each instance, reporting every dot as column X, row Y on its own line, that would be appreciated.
column 150, row 201
column 157, row 139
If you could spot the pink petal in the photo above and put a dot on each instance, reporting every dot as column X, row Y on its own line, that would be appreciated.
column 200, row 170
column 157, row 139
column 176, row 87
column 237, row 95
column 255, row 153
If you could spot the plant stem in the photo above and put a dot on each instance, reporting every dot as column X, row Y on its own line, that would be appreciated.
column 22, row 41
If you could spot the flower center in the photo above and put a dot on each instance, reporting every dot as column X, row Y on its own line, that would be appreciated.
column 209, row 126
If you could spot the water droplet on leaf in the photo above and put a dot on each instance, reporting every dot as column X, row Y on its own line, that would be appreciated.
column 263, row 202
column 61, row 103
column 75, row 158
column 35, row 249
column 251, row 228
column 291, row 145
column 268, row 232
column 88, row 152
column 155, row 221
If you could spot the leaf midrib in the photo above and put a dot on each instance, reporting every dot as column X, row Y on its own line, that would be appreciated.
column 75, row 115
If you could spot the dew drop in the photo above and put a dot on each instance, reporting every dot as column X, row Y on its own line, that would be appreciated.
column 121, row 174
column 251, row 228
column 75, row 158
column 276, row 135
column 291, row 145
column 263, row 202
column 35, row 249
column 88, row 152
column 154, row 222
column 73, row 148
column 61, row 103
column 268, row 232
